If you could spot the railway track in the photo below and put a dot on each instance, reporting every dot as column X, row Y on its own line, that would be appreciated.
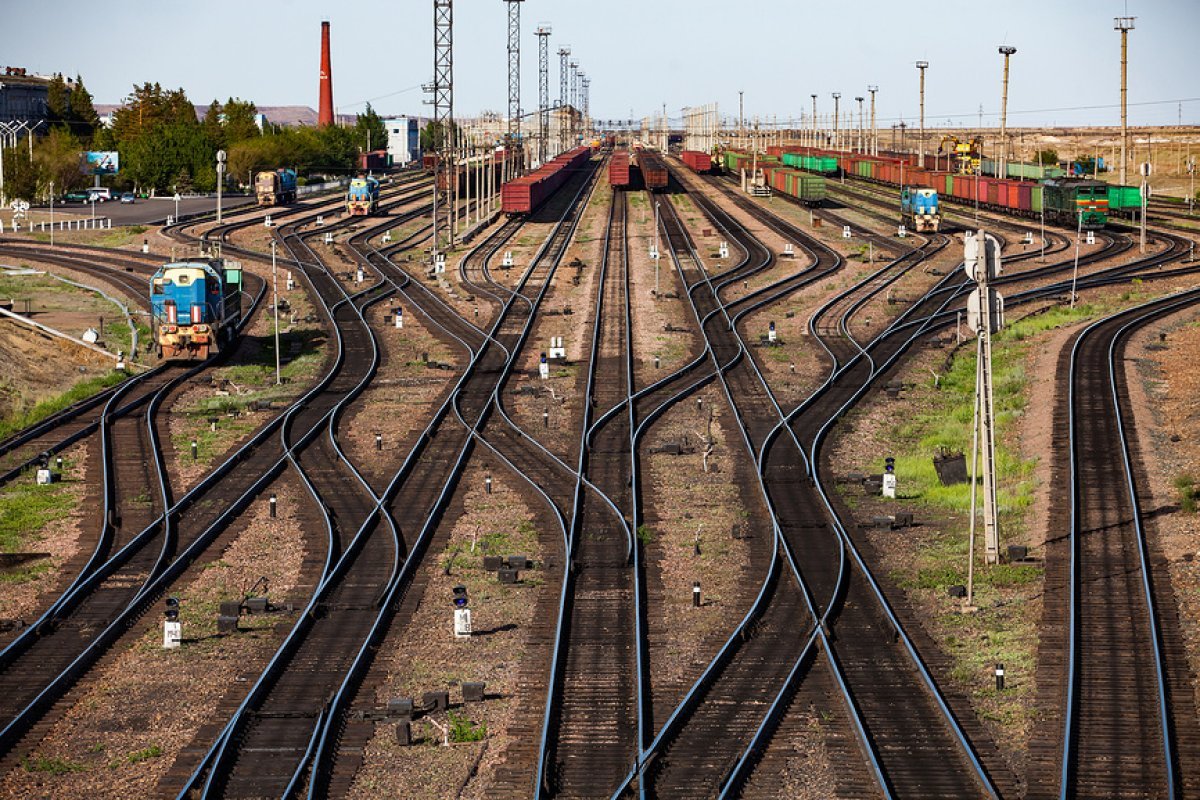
column 1114, row 674
column 320, row 739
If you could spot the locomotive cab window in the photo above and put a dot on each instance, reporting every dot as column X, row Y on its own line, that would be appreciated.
column 159, row 286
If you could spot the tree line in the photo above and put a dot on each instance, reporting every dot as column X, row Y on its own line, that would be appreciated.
column 164, row 147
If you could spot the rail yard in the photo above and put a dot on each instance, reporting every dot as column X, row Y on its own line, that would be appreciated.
column 537, row 455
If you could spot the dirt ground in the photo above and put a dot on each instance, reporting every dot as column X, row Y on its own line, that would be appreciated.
column 413, row 660
column 1164, row 386
column 144, row 704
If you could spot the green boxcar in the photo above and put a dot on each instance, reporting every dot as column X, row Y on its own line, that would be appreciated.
column 1121, row 198
column 1035, row 199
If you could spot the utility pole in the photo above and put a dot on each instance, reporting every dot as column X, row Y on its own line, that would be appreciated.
column 543, row 34
column 922, row 66
column 443, row 117
column 837, row 96
column 741, row 118
column 563, row 71
column 874, row 131
column 860, row 124
column 1006, row 51
column 1124, row 25
column 814, row 121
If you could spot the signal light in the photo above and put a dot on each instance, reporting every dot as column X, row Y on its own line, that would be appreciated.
column 172, row 612
column 889, row 465
column 460, row 596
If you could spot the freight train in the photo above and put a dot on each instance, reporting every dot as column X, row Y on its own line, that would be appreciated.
column 654, row 171
column 525, row 194
column 362, row 199
column 787, row 179
column 620, row 172
column 275, row 188
column 1067, row 201
column 195, row 307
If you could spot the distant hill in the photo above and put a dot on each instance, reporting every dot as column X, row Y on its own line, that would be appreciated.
column 280, row 115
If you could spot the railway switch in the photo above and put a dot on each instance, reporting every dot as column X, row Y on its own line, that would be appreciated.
column 472, row 692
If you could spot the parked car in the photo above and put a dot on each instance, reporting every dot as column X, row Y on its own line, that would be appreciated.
column 77, row 196
column 128, row 197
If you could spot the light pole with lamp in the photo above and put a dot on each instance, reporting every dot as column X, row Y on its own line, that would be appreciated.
column 837, row 96
column 1078, row 236
column 52, row 213
column 922, row 66
column 275, row 303
column 220, row 180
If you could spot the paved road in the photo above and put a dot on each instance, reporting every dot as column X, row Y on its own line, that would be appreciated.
column 146, row 212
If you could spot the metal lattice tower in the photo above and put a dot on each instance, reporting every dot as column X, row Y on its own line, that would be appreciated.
column 543, row 34
column 574, row 84
column 443, row 115
column 563, row 82
column 514, row 68
column 586, row 85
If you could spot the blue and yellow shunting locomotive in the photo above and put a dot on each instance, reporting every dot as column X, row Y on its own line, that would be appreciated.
column 195, row 307
column 363, row 197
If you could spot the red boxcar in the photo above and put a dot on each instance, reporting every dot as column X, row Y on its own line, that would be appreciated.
column 697, row 160
column 654, row 172
column 525, row 194
column 618, row 169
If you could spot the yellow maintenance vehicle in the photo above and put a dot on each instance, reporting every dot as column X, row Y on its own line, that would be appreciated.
column 967, row 155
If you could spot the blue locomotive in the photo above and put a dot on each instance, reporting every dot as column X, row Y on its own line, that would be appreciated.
column 195, row 307
column 919, row 208
column 363, row 197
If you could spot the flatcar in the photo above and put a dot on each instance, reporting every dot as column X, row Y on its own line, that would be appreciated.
column 275, row 188
column 362, row 199
column 919, row 208
column 195, row 307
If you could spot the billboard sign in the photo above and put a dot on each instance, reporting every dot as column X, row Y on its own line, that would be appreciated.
column 103, row 162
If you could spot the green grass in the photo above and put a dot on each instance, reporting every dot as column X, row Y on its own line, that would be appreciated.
column 145, row 754
column 1185, row 485
column 463, row 730
column 26, row 508
column 53, row 766
column 24, row 418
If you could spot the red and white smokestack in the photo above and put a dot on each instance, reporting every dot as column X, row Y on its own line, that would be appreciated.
column 325, row 110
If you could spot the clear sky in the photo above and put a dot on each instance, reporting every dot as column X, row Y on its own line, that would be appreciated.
column 638, row 54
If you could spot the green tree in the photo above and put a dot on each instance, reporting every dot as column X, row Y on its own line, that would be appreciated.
column 431, row 136
column 59, row 156
column 370, row 130
column 57, row 102
column 239, row 122
column 83, row 114
column 21, row 176
column 1046, row 157
column 213, row 128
